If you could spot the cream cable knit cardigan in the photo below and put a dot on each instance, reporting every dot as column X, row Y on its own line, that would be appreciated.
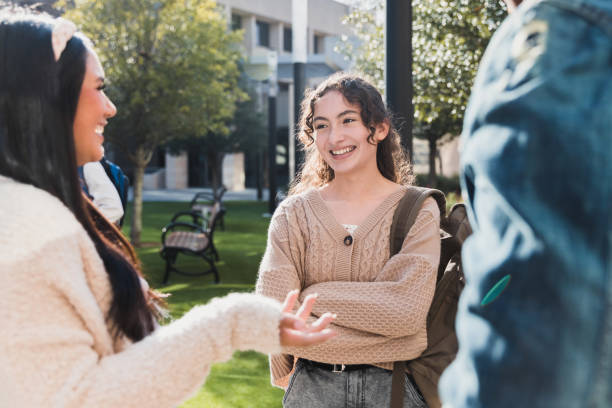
column 381, row 303
column 56, row 348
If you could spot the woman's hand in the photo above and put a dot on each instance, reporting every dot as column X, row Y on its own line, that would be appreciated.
column 294, row 331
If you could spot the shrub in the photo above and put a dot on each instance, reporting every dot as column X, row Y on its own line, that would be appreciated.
column 444, row 184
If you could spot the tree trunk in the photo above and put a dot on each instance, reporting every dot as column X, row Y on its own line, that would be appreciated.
column 431, row 182
column 140, row 160
column 258, row 181
column 439, row 157
column 216, row 172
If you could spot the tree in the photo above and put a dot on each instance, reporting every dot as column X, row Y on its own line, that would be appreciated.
column 449, row 38
column 172, row 70
column 365, row 49
column 247, row 132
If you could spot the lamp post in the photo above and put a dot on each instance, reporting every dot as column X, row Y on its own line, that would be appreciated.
column 299, row 40
column 272, row 188
column 262, row 67
column 398, row 66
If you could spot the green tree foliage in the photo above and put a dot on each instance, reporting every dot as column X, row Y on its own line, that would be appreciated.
column 449, row 38
column 172, row 72
column 365, row 49
column 247, row 132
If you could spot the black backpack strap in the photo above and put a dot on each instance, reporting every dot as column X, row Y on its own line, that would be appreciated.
column 403, row 219
column 407, row 211
column 397, row 384
column 107, row 170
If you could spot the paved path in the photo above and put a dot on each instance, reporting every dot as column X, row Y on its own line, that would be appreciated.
column 249, row 194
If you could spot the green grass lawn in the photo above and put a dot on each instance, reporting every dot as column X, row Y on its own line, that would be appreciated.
column 244, row 380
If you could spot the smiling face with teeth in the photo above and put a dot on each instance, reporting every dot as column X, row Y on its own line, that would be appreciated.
column 341, row 136
column 93, row 110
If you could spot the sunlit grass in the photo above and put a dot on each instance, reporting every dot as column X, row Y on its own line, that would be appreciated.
column 244, row 381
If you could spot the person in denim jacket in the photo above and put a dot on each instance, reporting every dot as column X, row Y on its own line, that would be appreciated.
column 535, row 319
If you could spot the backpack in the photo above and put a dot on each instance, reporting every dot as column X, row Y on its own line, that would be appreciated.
column 442, row 343
column 120, row 181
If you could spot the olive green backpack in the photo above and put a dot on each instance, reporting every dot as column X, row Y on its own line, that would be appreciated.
column 441, row 338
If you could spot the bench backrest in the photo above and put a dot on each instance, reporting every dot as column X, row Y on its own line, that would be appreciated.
column 215, row 213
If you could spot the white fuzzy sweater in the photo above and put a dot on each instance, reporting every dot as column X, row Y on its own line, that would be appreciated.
column 56, row 348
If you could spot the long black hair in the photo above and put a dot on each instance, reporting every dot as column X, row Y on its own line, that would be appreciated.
column 38, row 102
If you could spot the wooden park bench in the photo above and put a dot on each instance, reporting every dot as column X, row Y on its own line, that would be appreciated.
column 203, row 202
column 193, row 239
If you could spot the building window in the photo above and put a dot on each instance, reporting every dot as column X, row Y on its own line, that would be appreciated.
column 319, row 45
column 287, row 39
column 263, row 34
column 236, row 22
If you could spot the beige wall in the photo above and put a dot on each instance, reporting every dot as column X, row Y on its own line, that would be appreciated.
column 449, row 157
column 176, row 171
column 233, row 171
column 447, row 164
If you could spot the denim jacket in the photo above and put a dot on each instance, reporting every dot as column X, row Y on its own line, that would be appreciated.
column 537, row 180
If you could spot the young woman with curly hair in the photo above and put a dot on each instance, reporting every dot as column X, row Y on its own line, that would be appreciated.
column 330, row 237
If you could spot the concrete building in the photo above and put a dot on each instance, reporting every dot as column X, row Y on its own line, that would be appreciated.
column 267, row 29
column 447, row 158
column 267, row 44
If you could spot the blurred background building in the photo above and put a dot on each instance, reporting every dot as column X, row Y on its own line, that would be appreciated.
column 268, row 48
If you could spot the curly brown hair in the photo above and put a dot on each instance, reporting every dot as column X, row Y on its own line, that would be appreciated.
column 391, row 159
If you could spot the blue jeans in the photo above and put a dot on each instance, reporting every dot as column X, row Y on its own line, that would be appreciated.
column 314, row 387
column 537, row 180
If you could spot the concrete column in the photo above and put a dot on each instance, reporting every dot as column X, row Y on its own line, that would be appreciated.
column 176, row 171
column 311, row 40
column 154, row 181
column 276, row 37
column 250, row 37
column 233, row 171
column 300, row 32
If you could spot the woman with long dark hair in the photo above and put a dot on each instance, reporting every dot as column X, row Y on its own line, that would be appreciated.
column 331, row 237
column 78, row 320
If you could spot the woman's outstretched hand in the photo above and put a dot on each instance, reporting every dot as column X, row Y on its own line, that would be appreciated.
column 294, row 331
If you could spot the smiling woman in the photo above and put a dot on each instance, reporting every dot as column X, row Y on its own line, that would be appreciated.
column 351, row 100
column 78, row 319
column 331, row 237
column 93, row 110
column 342, row 139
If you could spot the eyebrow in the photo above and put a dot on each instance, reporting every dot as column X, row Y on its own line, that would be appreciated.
column 343, row 113
column 100, row 79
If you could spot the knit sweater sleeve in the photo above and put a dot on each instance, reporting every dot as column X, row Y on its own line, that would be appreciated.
column 396, row 303
column 55, row 350
column 280, row 268
column 279, row 274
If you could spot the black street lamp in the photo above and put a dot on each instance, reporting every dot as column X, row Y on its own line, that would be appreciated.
column 272, row 188
column 398, row 66
column 263, row 68
column 299, row 21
